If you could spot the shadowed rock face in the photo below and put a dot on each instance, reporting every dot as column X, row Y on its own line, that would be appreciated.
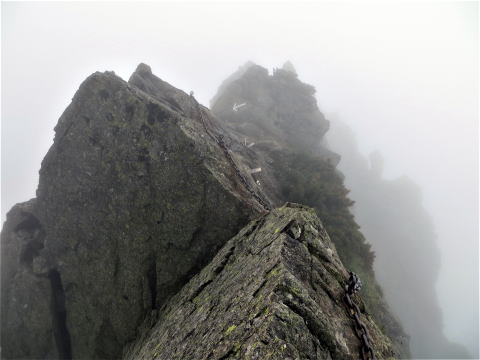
column 26, row 299
column 273, row 291
column 134, row 198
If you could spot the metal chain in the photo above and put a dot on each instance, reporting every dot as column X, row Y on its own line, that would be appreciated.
column 221, row 143
column 354, row 285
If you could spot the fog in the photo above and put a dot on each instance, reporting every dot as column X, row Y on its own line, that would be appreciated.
column 407, row 263
column 402, row 76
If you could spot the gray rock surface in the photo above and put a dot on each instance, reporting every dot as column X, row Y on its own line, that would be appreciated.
column 279, row 109
column 274, row 291
column 134, row 198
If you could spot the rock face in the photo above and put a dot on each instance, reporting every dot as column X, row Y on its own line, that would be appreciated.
column 135, row 196
column 274, row 291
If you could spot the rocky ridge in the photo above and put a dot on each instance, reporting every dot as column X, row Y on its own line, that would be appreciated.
column 274, row 291
column 134, row 198
column 138, row 193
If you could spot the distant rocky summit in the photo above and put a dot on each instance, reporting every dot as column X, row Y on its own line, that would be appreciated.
column 134, row 245
column 408, row 258
column 276, row 109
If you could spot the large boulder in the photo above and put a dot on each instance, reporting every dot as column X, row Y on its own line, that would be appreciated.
column 274, row 291
column 136, row 195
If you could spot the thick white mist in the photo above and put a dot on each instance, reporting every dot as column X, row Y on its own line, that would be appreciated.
column 403, row 76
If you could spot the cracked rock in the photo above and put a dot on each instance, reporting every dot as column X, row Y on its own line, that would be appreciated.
column 265, row 295
column 134, row 198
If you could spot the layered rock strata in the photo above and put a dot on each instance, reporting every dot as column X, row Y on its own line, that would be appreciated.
column 274, row 291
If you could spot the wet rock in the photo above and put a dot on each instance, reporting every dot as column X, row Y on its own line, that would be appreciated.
column 135, row 197
column 283, row 122
column 265, row 295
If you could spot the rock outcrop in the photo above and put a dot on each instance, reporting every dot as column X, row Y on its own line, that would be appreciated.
column 274, row 291
column 135, row 196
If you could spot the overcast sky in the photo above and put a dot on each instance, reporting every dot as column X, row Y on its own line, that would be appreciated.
column 403, row 76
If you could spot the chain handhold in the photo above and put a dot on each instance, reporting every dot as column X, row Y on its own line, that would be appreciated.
column 354, row 285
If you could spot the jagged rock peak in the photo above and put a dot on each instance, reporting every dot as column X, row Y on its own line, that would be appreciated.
column 277, row 108
column 135, row 196
column 273, row 291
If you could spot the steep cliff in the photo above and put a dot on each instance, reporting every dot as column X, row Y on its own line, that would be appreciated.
column 135, row 196
column 274, row 291
column 282, row 125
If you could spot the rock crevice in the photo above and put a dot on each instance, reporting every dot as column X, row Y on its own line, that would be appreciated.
column 59, row 316
column 134, row 198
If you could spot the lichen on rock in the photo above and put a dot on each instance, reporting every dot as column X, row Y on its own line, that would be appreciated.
column 134, row 198
column 274, row 291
